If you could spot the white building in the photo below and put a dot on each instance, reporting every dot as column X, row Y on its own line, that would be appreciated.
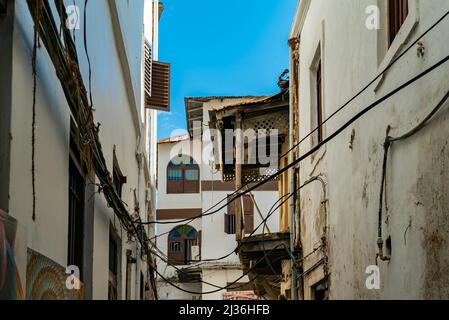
column 72, row 223
column 186, row 191
column 338, row 47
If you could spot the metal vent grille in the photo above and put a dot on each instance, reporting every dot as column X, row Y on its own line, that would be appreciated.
column 255, row 175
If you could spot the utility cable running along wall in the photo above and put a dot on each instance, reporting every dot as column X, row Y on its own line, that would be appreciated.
column 387, row 146
column 265, row 252
column 331, row 137
column 247, row 186
column 318, row 146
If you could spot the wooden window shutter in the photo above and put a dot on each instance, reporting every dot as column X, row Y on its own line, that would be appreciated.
column 229, row 224
column 248, row 206
column 226, row 224
column 160, row 87
column 398, row 12
column 231, row 205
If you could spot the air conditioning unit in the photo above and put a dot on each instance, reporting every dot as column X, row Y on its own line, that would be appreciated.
column 195, row 253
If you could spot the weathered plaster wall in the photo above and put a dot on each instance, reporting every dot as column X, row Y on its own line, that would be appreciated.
column 351, row 164
column 113, row 109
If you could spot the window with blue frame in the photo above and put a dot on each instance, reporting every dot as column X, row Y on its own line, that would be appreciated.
column 181, row 241
column 183, row 176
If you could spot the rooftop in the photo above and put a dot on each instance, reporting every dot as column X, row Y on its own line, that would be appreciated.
column 183, row 137
column 206, row 99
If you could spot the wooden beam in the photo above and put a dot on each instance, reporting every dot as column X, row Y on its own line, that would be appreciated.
column 239, row 225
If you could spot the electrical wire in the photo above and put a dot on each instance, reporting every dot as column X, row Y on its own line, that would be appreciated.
column 368, row 85
column 224, row 257
column 271, row 212
column 387, row 145
column 314, row 149
column 312, row 132
column 193, row 219
column 221, row 288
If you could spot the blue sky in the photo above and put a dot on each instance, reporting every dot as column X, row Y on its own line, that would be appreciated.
column 222, row 47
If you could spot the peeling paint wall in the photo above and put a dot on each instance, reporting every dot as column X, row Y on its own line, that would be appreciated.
column 351, row 164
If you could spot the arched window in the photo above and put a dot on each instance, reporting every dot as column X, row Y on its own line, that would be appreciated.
column 183, row 245
column 183, row 176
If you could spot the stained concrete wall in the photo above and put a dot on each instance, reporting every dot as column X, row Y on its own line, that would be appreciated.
column 117, row 107
column 351, row 164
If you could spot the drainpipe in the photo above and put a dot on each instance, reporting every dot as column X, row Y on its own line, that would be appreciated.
column 294, row 285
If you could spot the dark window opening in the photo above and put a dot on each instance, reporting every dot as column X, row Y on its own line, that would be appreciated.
column 183, row 245
column 76, row 217
column 230, row 216
column 388, row 247
column 113, row 265
column 397, row 14
column 183, row 176
column 142, row 287
column 319, row 93
column 320, row 291
column 77, row 189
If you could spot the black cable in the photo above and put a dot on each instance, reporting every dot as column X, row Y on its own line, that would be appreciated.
column 318, row 146
column 313, row 179
column 347, row 124
column 272, row 211
column 221, row 288
column 224, row 257
column 338, row 110
column 193, row 219
column 369, row 84
column 202, row 281
column 252, row 233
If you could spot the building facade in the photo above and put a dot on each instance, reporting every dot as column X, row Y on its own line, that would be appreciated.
column 204, row 261
column 374, row 222
column 59, row 212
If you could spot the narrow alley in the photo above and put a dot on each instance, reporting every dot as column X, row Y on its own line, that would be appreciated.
column 224, row 150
